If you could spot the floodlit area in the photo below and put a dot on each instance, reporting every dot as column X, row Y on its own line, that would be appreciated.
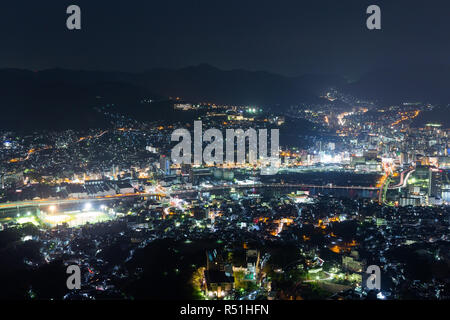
column 76, row 218
column 31, row 219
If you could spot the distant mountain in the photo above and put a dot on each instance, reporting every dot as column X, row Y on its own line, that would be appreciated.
column 59, row 98
column 210, row 84
column 424, row 83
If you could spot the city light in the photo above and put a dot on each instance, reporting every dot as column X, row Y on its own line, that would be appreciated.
column 296, row 167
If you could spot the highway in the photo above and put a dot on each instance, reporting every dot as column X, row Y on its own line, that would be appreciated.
column 403, row 180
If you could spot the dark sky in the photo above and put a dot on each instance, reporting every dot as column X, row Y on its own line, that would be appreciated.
column 288, row 37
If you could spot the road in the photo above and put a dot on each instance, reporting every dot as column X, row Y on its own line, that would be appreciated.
column 403, row 180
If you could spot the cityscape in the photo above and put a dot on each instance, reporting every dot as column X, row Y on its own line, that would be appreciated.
column 88, row 179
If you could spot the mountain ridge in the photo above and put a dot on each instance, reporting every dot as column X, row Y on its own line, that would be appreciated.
column 67, row 96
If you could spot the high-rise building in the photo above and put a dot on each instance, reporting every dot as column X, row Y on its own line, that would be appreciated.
column 164, row 164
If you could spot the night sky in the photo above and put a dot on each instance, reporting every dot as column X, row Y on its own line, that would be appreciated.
column 287, row 37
